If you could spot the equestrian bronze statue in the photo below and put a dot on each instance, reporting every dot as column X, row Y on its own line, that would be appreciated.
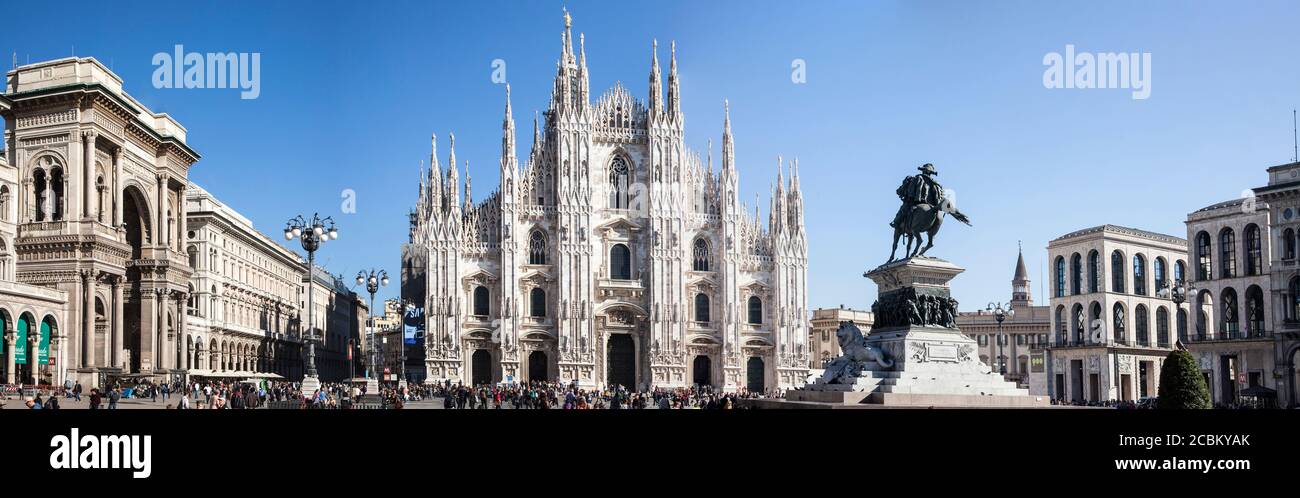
column 924, row 205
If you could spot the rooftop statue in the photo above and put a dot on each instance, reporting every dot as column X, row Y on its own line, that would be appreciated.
column 924, row 204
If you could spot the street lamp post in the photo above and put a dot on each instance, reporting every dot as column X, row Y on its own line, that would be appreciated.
column 312, row 234
column 373, row 280
column 1000, row 313
column 1176, row 291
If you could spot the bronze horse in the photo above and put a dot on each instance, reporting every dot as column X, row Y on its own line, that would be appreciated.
column 922, row 218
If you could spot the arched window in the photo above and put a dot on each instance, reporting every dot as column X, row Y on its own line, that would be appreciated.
column 618, row 184
column 1255, row 311
column 1254, row 250
column 620, row 263
column 1159, row 271
column 1293, row 310
column 537, row 303
column 1231, row 322
column 4, row 203
column 1117, row 272
column 1060, row 276
column 1182, row 325
column 1119, row 323
column 700, row 255
column 536, row 248
column 701, row 308
column 1162, row 327
column 1227, row 253
column 1095, row 322
column 1079, row 323
column 56, row 186
column 1094, row 272
column 1076, row 274
column 194, row 257
column 1288, row 244
column 1062, row 334
column 1140, row 324
column 40, row 187
column 1204, row 262
column 482, row 307
column 755, row 310
column 1139, row 275
column 1180, row 271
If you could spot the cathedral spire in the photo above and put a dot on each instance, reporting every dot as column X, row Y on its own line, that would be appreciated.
column 469, row 197
column 453, row 176
column 507, row 138
column 728, row 148
column 568, row 37
column 674, row 90
column 656, row 86
column 435, row 175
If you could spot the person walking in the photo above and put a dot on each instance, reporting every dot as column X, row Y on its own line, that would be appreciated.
column 95, row 398
column 76, row 392
column 113, row 396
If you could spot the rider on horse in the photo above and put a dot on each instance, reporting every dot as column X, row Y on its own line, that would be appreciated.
column 918, row 189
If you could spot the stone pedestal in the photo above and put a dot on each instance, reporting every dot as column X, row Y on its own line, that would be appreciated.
column 309, row 386
column 372, row 386
column 914, row 354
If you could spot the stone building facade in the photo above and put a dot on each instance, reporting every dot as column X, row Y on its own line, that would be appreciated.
column 30, row 316
column 615, row 256
column 1025, row 333
column 100, row 214
column 825, row 322
column 1231, row 337
column 340, row 317
column 243, row 310
column 1282, row 311
column 1113, row 323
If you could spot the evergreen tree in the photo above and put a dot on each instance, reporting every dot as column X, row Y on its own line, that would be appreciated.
column 1181, row 385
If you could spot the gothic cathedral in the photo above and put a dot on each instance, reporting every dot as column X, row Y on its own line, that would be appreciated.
column 615, row 256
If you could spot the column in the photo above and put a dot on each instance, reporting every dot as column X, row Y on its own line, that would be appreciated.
column 10, row 337
column 115, row 349
column 87, row 340
column 88, row 173
column 181, row 305
column 182, row 219
column 117, row 187
column 148, row 330
column 160, row 217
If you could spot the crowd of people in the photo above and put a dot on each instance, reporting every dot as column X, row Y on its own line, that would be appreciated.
column 239, row 395
column 555, row 395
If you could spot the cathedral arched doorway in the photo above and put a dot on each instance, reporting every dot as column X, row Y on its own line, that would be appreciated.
column 621, row 361
column 754, row 375
column 702, row 371
column 135, row 215
column 537, row 367
column 481, row 367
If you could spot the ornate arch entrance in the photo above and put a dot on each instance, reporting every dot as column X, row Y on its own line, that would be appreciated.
column 621, row 361
column 537, row 367
column 481, row 367
column 754, row 375
column 702, row 370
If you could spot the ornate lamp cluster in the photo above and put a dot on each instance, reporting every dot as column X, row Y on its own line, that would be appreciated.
column 312, row 234
column 1000, row 313
column 373, row 279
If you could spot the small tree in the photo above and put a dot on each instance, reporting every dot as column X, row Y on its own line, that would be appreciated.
column 1181, row 384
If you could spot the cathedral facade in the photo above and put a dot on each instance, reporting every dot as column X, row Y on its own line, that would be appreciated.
column 616, row 256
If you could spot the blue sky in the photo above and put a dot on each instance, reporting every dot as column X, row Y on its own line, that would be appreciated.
column 350, row 92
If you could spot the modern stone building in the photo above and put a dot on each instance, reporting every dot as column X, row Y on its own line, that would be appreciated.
column 100, row 217
column 1281, row 314
column 1113, row 324
column 616, row 256
column 1025, row 333
column 30, row 316
column 1231, row 252
column 243, row 311
column 825, row 322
